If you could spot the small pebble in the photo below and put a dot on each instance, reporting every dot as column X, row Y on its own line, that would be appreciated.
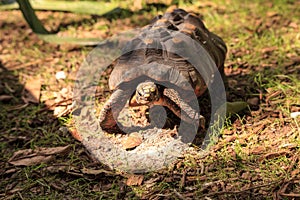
column 60, row 75
column 295, row 114
column 253, row 101
column 64, row 129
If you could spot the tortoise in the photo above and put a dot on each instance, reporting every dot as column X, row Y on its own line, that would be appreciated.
column 150, row 61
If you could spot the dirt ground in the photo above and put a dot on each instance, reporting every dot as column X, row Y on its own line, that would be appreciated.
column 257, row 156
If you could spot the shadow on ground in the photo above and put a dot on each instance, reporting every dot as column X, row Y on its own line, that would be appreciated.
column 254, row 158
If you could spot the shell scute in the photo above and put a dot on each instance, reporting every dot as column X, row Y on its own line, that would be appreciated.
column 163, row 52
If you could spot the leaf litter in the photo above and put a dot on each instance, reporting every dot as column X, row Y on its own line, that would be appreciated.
column 29, row 157
column 230, row 170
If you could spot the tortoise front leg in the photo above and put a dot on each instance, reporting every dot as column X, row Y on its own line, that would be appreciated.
column 111, row 110
column 173, row 101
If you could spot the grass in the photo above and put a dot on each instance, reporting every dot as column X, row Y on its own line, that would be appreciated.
column 257, row 155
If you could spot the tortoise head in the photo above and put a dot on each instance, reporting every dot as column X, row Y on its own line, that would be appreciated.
column 146, row 92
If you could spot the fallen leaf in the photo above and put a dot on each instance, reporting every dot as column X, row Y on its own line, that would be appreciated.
column 208, row 4
column 230, row 138
column 54, row 150
column 95, row 171
column 246, row 175
column 11, row 171
column 135, row 180
column 293, row 25
column 32, row 90
column 272, row 13
column 57, row 168
column 29, row 157
column 151, row 182
column 49, row 103
column 295, row 172
column 269, row 49
column 133, row 140
column 296, row 59
column 76, row 135
column 273, row 155
column 32, row 160
column 227, row 132
column 258, row 129
column 58, row 110
column 257, row 150
column 65, row 93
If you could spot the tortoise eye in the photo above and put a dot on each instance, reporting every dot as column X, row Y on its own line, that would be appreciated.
column 139, row 92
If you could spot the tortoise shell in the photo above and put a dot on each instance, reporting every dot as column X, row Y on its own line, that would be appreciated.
column 176, row 48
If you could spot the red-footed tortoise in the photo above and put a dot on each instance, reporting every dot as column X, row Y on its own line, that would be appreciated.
column 151, row 61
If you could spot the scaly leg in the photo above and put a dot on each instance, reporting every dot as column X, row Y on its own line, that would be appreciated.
column 111, row 110
column 173, row 101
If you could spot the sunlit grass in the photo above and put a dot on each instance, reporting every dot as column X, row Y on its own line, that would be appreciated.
column 237, row 22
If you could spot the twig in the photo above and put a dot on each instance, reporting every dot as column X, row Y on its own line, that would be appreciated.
column 282, row 190
column 218, row 181
column 60, row 102
column 183, row 178
column 27, row 64
column 237, row 192
column 289, row 195
column 20, row 195
column 179, row 195
column 55, row 104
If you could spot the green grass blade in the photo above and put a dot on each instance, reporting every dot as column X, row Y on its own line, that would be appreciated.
column 83, row 7
column 53, row 38
column 40, row 30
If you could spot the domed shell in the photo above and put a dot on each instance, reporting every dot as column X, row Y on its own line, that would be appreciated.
column 175, row 48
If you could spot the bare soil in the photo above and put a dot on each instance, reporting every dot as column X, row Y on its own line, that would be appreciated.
column 257, row 156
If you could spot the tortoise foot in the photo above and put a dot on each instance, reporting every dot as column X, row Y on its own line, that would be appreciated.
column 113, row 129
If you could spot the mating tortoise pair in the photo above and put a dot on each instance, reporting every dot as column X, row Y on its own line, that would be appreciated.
column 156, row 67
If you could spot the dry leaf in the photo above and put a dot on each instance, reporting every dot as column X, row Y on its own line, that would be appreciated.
column 11, row 171
column 95, row 171
column 28, row 157
column 32, row 90
column 151, row 182
column 49, row 103
column 76, row 135
column 135, row 180
column 257, row 150
column 295, row 172
column 269, row 49
column 32, row 160
column 54, row 150
column 133, row 140
column 58, row 110
column 274, row 155
column 230, row 138
column 272, row 13
column 57, row 168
